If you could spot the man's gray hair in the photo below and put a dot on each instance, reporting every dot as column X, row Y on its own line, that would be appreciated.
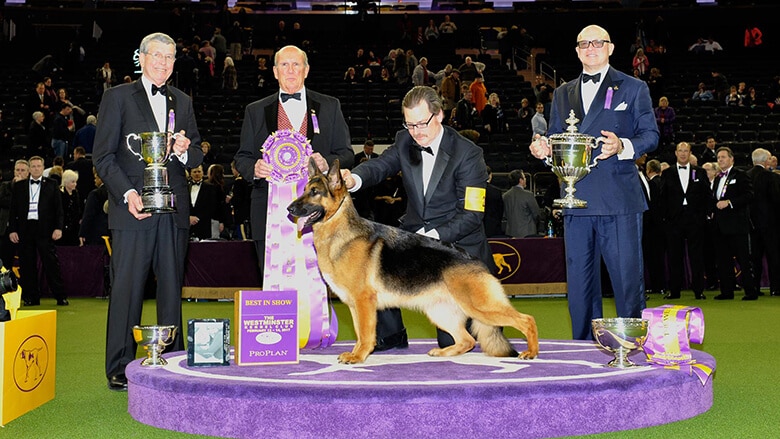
column 760, row 156
column 158, row 37
column 423, row 93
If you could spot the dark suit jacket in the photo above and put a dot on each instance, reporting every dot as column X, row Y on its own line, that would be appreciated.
column 125, row 109
column 698, row 194
column 207, row 207
column 708, row 155
column 612, row 187
column 261, row 119
column 86, row 181
column 766, row 198
column 459, row 165
column 361, row 156
column 94, row 223
column 50, row 214
column 739, row 191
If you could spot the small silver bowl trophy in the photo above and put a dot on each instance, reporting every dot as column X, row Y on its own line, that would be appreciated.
column 570, row 161
column 156, row 147
column 621, row 336
column 154, row 339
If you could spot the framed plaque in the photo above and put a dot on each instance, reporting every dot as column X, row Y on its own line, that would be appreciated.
column 208, row 342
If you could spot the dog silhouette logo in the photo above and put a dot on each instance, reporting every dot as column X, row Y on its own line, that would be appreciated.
column 31, row 363
column 506, row 258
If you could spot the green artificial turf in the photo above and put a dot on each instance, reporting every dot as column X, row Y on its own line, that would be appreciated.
column 738, row 334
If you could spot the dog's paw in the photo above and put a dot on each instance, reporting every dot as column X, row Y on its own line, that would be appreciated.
column 349, row 358
column 436, row 352
column 526, row 355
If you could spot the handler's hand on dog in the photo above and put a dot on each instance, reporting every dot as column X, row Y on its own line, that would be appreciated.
column 262, row 169
column 322, row 164
column 349, row 181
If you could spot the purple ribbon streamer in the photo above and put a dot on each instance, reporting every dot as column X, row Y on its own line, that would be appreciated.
column 608, row 102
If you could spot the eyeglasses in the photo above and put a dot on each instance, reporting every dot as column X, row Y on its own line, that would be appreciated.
column 159, row 56
column 598, row 44
column 419, row 126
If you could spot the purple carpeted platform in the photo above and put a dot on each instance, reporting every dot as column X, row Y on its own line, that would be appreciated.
column 405, row 393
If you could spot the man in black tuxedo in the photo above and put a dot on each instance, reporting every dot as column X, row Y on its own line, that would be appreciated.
column 653, row 234
column 206, row 204
column 764, row 238
column 83, row 166
column 295, row 107
column 367, row 153
column 708, row 154
column 732, row 194
column 35, row 223
column 442, row 172
column 364, row 199
column 144, row 241
column 686, row 203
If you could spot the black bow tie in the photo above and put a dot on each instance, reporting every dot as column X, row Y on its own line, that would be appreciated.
column 288, row 96
column 35, row 181
column 197, row 183
column 425, row 148
column 682, row 167
column 161, row 89
column 595, row 78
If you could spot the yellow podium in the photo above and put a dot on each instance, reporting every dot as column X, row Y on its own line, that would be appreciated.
column 27, row 363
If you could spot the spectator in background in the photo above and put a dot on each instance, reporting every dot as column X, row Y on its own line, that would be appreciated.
column 521, row 211
column 229, row 75
column 468, row 70
column 85, row 136
column 478, row 93
column 538, row 122
column 655, row 82
column 421, row 75
column 38, row 137
column 83, row 166
column 641, row 64
column 209, row 154
column 239, row 199
column 105, row 78
column 72, row 208
column 733, row 99
column 494, row 208
column 664, row 117
column 493, row 116
column 702, row 94
column 61, row 133
column 720, row 86
column 94, row 222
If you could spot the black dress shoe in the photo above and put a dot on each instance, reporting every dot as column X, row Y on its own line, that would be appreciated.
column 63, row 302
column 774, row 293
column 760, row 293
column 398, row 340
column 118, row 383
column 723, row 297
column 700, row 296
column 751, row 297
column 672, row 296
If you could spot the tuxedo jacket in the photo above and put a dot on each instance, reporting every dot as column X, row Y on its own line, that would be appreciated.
column 361, row 156
column 261, row 119
column 459, row 165
column 612, row 187
column 125, row 109
column 708, row 155
column 697, row 195
column 207, row 207
column 739, row 191
column 50, row 213
column 766, row 198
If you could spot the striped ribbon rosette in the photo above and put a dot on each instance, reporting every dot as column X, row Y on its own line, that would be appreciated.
column 290, row 258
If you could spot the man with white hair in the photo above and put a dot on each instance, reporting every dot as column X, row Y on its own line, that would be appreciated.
column 764, row 214
column 85, row 136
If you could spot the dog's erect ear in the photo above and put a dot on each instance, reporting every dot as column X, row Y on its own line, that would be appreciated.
column 313, row 169
column 334, row 175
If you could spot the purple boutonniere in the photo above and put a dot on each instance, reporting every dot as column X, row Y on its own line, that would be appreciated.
column 693, row 174
column 608, row 102
column 315, row 122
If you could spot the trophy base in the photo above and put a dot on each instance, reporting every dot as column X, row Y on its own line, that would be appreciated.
column 158, row 202
column 151, row 362
column 621, row 361
column 570, row 203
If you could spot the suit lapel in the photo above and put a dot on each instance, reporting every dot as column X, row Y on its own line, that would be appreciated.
column 442, row 160
column 415, row 196
column 598, row 104
column 142, row 101
column 312, row 110
column 272, row 116
column 170, row 106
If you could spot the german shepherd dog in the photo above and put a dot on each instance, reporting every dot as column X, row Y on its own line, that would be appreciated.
column 403, row 269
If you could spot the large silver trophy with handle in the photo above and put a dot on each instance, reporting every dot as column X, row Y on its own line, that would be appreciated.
column 157, row 195
column 621, row 336
column 570, row 161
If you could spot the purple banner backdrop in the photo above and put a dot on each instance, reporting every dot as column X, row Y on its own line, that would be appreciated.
column 529, row 260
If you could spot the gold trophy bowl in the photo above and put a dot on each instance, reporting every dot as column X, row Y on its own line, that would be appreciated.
column 154, row 339
column 621, row 336
column 570, row 161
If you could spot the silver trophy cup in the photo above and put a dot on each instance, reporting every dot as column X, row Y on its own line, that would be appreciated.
column 157, row 195
column 570, row 161
column 621, row 336
column 154, row 339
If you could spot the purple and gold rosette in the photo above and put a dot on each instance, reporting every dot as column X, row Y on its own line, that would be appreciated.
column 290, row 257
column 671, row 330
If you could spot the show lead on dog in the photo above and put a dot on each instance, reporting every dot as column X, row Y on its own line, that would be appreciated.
column 618, row 108
column 143, row 241
column 295, row 107
column 444, row 175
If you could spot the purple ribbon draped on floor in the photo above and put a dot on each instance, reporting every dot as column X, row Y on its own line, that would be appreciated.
column 671, row 330
column 290, row 258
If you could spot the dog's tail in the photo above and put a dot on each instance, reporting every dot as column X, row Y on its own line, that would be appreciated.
column 492, row 340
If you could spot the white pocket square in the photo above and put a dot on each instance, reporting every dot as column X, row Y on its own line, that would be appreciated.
column 621, row 107
column 733, row 181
